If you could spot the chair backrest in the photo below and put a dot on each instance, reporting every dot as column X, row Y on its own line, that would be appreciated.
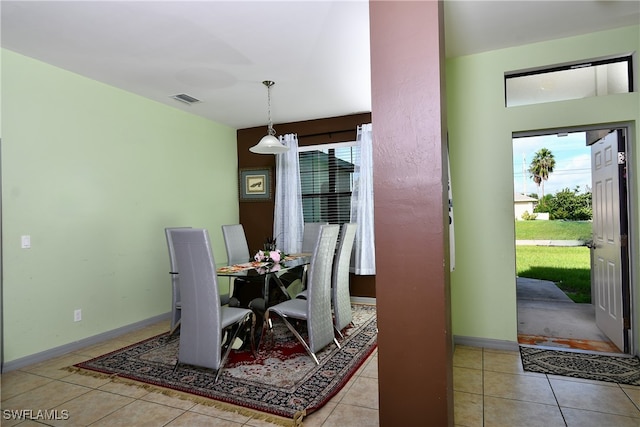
column 201, row 331
column 172, row 257
column 235, row 241
column 340, row 296
column 175, row 286
column 310, row 236
column 319, row 319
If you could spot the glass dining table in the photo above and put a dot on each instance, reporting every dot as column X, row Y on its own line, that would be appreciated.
column 268, row 271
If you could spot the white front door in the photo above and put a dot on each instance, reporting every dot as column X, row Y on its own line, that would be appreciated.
column 607, row 260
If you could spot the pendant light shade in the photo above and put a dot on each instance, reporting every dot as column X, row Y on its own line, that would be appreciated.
column 269, row 144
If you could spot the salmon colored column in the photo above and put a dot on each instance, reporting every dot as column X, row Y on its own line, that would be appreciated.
column 411, row 224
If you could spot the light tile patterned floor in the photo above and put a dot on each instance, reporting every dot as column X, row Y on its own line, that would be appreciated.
column 490, row 389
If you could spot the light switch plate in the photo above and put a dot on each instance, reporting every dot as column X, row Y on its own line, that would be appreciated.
column 26, row 242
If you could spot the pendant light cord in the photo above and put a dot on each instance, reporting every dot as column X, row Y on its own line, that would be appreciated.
column 268, row 84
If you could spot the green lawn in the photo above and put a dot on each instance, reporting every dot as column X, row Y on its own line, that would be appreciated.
column 553, row 230
column 568, row 267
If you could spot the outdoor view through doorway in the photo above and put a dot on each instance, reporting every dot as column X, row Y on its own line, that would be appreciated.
column 553, row 215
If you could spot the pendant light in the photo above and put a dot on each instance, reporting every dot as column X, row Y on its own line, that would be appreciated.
column 269, row 144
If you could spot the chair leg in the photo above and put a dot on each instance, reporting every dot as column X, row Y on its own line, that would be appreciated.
column 253, row 338
column 225, row 339
column 340, row 334
column 266, row 323
column 228, row 349
column 175, row 328
column 299, row 337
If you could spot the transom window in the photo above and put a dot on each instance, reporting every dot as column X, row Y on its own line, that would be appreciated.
column 558, row 83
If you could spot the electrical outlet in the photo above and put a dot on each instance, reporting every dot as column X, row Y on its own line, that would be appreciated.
column 77, row 315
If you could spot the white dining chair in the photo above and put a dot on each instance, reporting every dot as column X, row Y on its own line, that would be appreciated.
column 204, row 320
column 298, row 278
column 340, row 295
column 310, row 235
column 315, row 311
column 176, row 305
column 245, row 291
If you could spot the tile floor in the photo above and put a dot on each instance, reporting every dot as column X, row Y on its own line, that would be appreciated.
column 490, row 389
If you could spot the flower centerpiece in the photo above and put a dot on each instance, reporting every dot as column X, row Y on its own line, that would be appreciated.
column 270, row 255
column 271, row 258
column 270, row 244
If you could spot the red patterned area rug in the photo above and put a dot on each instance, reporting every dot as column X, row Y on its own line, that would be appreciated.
column 283, row 380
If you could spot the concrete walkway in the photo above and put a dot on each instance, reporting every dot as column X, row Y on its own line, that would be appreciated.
column 544, row 310
column 550, row 243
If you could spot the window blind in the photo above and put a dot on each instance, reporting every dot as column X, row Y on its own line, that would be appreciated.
column 327, row 180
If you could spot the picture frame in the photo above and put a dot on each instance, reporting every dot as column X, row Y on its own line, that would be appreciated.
column 255, row 184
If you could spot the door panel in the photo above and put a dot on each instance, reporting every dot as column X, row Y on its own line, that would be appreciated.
column 607, row 258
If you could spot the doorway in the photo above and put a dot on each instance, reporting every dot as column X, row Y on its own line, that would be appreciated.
column 593, row 314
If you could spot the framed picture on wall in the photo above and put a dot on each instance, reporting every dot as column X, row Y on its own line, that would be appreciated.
column 255, row 184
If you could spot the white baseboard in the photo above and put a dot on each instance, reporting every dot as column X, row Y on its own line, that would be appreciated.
column 363, row 300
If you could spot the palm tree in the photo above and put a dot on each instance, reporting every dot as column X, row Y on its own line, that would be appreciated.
column 541, row 166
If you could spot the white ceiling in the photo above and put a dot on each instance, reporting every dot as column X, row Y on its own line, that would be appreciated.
column 219, row 52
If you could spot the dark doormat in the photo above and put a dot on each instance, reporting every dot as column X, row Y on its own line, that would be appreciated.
column 589, row 366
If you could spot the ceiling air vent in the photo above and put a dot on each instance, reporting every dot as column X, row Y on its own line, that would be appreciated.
column 182, row 97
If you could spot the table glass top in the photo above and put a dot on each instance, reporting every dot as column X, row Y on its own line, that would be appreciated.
column 255, row 268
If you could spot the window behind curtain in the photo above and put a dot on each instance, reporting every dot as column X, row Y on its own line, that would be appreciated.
column 327, row 180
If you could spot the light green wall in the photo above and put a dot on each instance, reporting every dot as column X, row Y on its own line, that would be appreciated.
column 480, row 140
column 94, row 174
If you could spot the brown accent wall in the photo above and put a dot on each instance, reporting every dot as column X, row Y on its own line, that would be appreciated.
column 257, row 217
column 410, row 190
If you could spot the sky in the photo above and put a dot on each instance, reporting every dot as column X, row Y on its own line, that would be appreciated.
column 573, row 163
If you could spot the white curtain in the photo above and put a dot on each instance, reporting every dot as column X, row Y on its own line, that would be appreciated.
column 364, row 261
column 288, row 221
